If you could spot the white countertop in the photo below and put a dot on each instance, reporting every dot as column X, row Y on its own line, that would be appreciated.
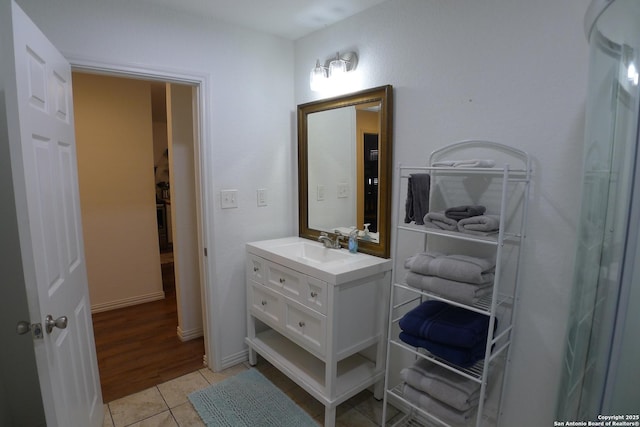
column 352, row 267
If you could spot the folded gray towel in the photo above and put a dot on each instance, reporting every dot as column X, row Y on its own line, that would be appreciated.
column 481, row 225
column 466, row 293
column 461, row 268
column 438, row 409
column 465, row 211
column 439, row 220
column 440, row 383
column 417, row 203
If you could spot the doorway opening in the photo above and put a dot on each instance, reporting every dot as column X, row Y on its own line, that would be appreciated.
column 137, row 168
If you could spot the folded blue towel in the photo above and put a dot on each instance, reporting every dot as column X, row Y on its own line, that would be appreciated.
column 446, row 324
column 463, row 357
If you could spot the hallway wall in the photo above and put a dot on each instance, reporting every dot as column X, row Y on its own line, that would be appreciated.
column 117, row 190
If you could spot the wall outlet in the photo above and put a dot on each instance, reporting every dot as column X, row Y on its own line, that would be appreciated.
column 229, row 199
column 343, row 190
column 262, row 197
column 320, row 193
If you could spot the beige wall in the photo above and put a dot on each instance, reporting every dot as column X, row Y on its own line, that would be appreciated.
column 117, row 190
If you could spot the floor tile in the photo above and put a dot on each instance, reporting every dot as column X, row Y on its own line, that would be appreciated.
column 277, row 378
column 108, row 422
column 372, row 409
column 175, row 392
column 353, row 418
column 187, row 416
column 304, row 400
column 215, row 377
column 163, row 419
column 137, row 407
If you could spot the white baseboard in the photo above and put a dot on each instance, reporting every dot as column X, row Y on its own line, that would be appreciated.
column 190, row 334
column 235, row 359
column 106, row 306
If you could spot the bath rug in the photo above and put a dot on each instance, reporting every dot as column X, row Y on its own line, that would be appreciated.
column 248, row 399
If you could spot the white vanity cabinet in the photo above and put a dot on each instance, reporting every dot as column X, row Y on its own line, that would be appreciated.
column 323, row 324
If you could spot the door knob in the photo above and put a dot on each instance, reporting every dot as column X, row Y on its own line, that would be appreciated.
column 60, row 322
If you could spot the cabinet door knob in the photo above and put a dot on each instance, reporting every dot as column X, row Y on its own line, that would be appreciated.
column 282, row 280
column 264, row 302
column 314, row 294
column 301, row 324
column 256, row 269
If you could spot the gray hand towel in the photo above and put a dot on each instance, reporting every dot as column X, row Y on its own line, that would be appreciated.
column 461, row 268
column 417, row 203
column 481, row 225
column 453, row 389
column 433, row 406
column 441, row 221
column 466, row 293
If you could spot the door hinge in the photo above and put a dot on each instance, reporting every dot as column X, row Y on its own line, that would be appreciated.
column 36, row 329
column 205, row 251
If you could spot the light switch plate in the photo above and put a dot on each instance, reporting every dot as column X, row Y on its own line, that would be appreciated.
column 262, row 197
column 343, row 190
column 229, row 199
column 320, row 195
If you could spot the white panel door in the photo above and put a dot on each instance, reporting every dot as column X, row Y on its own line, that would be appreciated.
column 43, row 159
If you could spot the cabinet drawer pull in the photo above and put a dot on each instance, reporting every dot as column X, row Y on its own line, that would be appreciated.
column 256, row 269
column 282, row 280
column 301, row 324
column 314, row 294
column 264, row 302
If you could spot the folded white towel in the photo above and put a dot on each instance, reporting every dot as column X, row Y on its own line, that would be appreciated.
column 470, row 163
column 440, row 221
column 480, row 225
column 461, row 268
column 466, row 293
column 441, row 410
column 453, row 389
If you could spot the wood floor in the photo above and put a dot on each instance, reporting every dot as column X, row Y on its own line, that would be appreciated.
column 137, row 347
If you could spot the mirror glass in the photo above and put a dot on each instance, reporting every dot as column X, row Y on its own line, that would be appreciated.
column 344, row 166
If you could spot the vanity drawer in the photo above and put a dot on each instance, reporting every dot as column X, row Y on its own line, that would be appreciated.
column 284, row 280
column 306, row 327
column 255, row 268
column 265, row 304
column 304, row 289
column 314, row 294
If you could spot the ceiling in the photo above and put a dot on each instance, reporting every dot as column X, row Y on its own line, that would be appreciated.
column 290, row 19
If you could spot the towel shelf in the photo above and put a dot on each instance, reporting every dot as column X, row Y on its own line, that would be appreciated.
column 504, row 191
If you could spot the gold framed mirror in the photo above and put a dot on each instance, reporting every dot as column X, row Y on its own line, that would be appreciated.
column 344, row 168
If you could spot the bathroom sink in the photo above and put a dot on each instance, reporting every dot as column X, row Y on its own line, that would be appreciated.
column 310, row 257
column 316, row 253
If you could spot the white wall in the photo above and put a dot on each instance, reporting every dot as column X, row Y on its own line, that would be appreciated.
column 183, row 215
column 513, row 72
column 249, row 123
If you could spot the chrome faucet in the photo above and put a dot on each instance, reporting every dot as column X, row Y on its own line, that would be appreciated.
column 328, row 243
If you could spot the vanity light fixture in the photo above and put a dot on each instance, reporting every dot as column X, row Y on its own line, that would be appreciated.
column 318, row 77
column 341, row 64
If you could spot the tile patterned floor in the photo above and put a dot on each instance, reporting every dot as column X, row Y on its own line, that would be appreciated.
column 167, row 405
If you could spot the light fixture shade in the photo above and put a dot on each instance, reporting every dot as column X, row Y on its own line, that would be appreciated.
column 317, row 77
column 337, row 67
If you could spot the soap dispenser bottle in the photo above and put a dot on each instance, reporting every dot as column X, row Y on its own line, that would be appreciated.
column 353, row 240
